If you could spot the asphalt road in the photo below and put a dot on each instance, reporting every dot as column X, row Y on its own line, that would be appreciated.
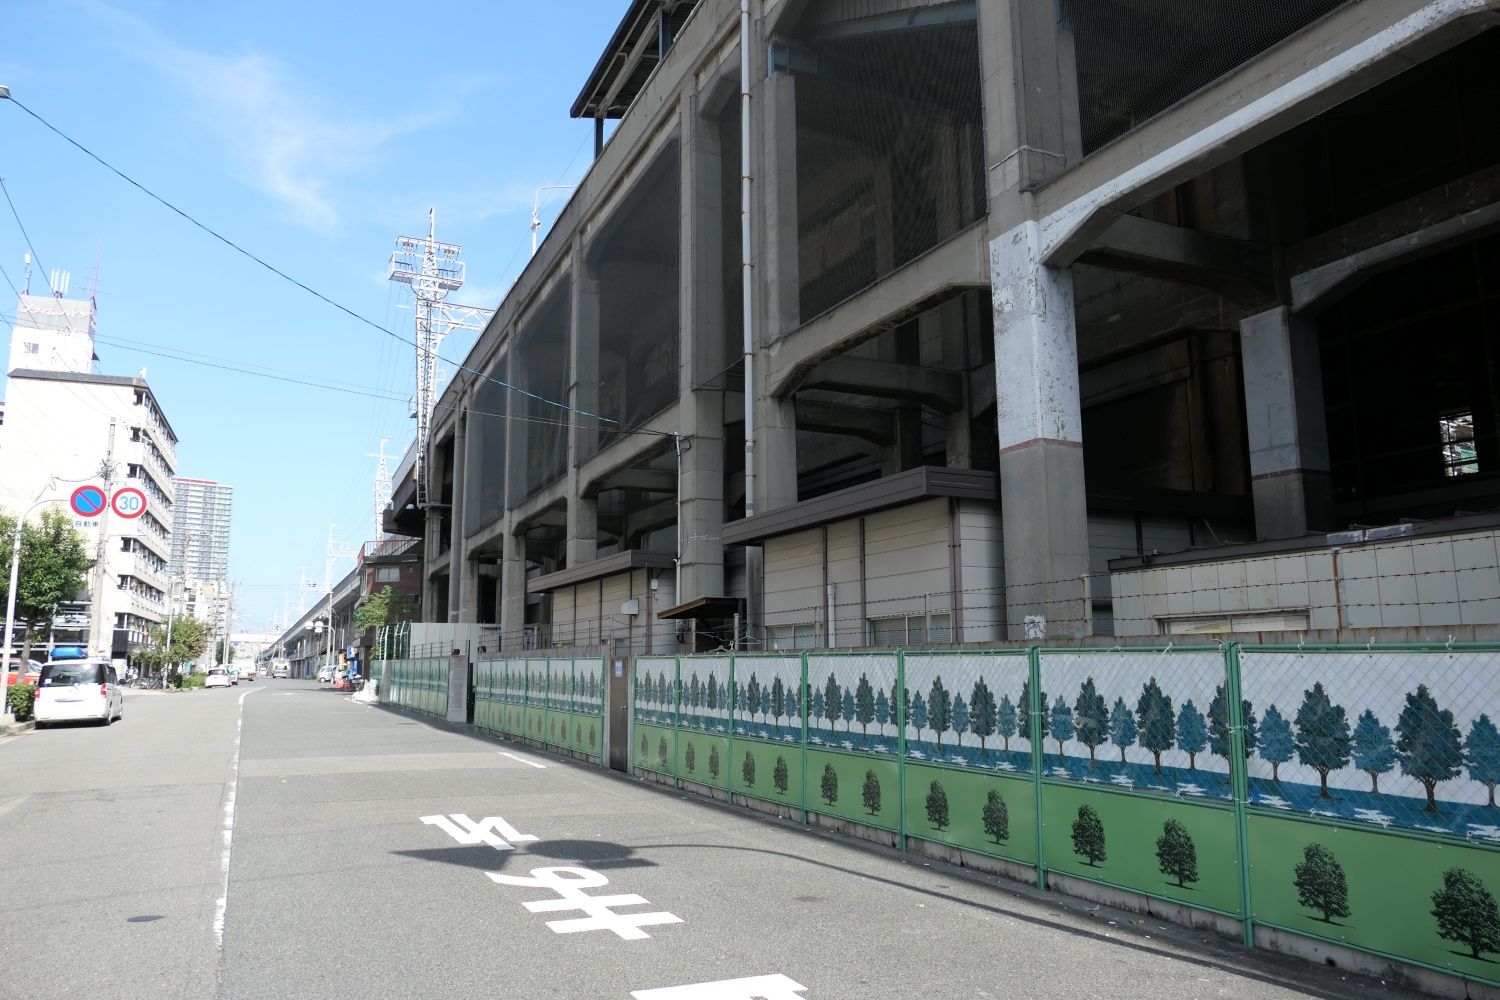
column 114, row 844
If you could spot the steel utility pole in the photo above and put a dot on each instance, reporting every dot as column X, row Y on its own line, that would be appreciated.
column 101, row 638
column 382, row 488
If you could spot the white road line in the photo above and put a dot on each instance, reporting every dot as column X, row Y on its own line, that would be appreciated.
column 8, row 806
column 523, row 760
column 226, row 830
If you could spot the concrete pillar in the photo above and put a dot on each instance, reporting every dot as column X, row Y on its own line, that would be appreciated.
column 1039, row 425
column 583, row 530
column 700, row 499
column 1030, row 91
column 777, row 265
column 512, row 588
column 463, row 578
column 582, row 544
column 1285, row 424
column 951, row 319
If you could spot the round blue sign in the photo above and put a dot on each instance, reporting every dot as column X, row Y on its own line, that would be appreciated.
column 87, row 501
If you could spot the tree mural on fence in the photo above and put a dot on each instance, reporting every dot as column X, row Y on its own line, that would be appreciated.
column 1192, row 732
column 1023, row 720
column 1122, row 731
column 1482, row 751
column 765, row 704
column 645, row 747
column 779, row 775
column 1218, row 724
column 848, row 710
column 983, row 713
column 711, row 693
column 1320, row 882
column 747, row 769
column 778, row 700
column 830, row 786
column 752, row 696
column 882, row 710
column 833, row 698
column 918, row 714
column 713, row 762
column 1088, row 837
column 817, row 704
column 1006, row 720
column 864, row 705
column 1158, row 727
column 996, row 817
column 1430, row 747
column 1176, row 855
column 1466, row 912
column 872, row 792
column 690, row 757
column 1090, row 720
column 960, row 719
column 661, row 752
column 695, row 695
column 1373, row 751
column 937, row 806
column 1062, row 723
column 1323, row 740
column 939, row 710
column 1276, row 743
column 793, row 708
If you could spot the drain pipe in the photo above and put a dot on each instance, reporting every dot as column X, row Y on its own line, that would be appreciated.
column 747, row 263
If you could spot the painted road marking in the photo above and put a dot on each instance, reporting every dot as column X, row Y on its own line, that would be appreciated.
column 491, row 830
column 523, row 760
column 776, row 987
column 226, row 831
column 569, row 884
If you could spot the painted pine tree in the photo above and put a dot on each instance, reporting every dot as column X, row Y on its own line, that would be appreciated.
column 960, row 719
column 1466, row 912
column 1430, row 747
column 765, row 704
column 1323, row 740
column 918, row 715
column 713, row 762
column 937, row 806
column 711, row 694
column 1062, row 723
column 1176, row 855
column 996, row 817
column 1122, row 731
column 747, row 769
column 983, row 715
column 1372, row 749
column 690, row 757
column 833, row 698
column 848, row 710
column 1088, row 837
column 882, row 711
column 1320, row 882
column 593, row 738
column 872, row 793
column 817, row 705
column 939, row 710
column 1090, row 719
column 864, row 705
column 1006, row 720
column 779, row 775
column 778, row 700
column 1023, row 711
column 752, row 696
column 645, row 747
column 1158, row 726
column 1276, row 743
column 1218, row 724
column 1192, row 732
column 1482, row 751
column 830, row 786
column 661, row 752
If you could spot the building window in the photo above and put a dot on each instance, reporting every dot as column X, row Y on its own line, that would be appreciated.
column 33, row 348
column 1264, row 621
column 388, row 574
column 803, row 635
column 1457, row 433
column 910, row 630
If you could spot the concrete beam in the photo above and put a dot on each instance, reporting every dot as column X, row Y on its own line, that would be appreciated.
column 943, row 391
column 876, row 426
column 1240, row 270
column 648, row 480
column 960, row 263
column 632, row 450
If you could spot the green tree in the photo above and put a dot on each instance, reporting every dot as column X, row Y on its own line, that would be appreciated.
column 1482, row 751
column 711, row 693
column 996, row 817
column 864, row 704
column 1175, row 853
column 1005, row 720
column 592, row 736
column 1090, row 719
column 830, row 786
column 778, row 700
column 54, row 568
column 1088, row 837
column 918, row 715
column 1122, row 731
column 1373, row 751
column 1320, row 881
column 983, row 712
column 645, row 747
column 1062, row 723
column 661, row 752
column 1430, row 747
column 937, row 806
column 961, row 719
column 690, row 757
column 223, row 651
column 1192, row 733
column 1276, row 744
column 939, row 710
column 1218, row 724
column 752, row 695
column 1323, row 740
column 848, row 709
column 387, row 606
column 1158, row 726
column 1023, row 707
column 1466, row 912
column 779, row 775
column 882, row 710
column 189, row 641
column 872, row 792
column 833, row 697
column 695, row 695
column 713, row 762
column 747, row 769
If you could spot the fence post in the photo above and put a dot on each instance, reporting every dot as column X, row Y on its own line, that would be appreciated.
column 802, row 708
column 734, row 711
column 1038, row 756
column 676, row 719
column 1240, row 781
column 901, row 744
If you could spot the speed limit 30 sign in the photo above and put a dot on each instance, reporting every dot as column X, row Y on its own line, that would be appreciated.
column 128, row 502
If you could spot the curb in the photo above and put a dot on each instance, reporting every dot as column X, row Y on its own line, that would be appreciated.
column 16, row 728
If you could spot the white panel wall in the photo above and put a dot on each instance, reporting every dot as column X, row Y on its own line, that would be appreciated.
column 982, row 549
column 906, row 557
column 843, row 574
column 794, row 578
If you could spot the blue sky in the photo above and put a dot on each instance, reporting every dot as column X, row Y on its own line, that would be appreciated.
column 311, row 134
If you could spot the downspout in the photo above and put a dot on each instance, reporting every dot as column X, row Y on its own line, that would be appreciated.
column 747, row 261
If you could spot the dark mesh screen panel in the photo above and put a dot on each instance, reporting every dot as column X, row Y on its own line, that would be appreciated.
column 539, row 364
column 1136, row 58
column 485, row 469
column 890, row 150
column 636, row 260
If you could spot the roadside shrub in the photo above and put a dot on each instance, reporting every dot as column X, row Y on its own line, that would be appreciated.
column 191, row 681
column 20, row 698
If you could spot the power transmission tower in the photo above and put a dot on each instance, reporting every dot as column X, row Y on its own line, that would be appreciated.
column 432, row 269
column 382, row 488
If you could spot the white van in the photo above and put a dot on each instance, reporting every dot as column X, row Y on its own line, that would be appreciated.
column 75, row 690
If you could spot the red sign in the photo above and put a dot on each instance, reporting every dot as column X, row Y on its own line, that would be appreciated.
column 87, row 501
column 128, row 502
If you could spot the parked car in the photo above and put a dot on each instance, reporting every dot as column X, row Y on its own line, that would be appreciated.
column 74, row 690
column 326, row 673
column 218, row 677
column 281, row 670
column 24, row 673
